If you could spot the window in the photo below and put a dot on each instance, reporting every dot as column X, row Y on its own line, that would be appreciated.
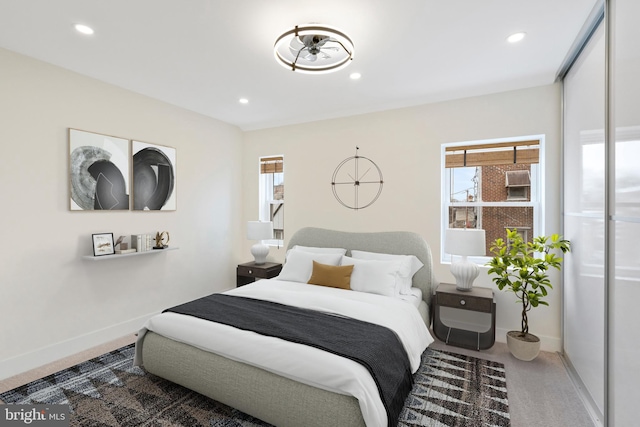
column 271, row 203
column 492, row 185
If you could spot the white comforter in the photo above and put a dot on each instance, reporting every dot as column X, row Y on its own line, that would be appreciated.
column 296, row 361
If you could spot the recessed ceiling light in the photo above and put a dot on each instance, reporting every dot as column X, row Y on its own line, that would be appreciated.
column 515, row 38
column 84, row 29
column 243, row 101
column 355, row 76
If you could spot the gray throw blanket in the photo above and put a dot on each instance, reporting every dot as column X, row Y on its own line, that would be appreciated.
column 375, row 347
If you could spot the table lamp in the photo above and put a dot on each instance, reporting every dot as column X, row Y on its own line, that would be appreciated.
column 258, row 230
column 465, row 242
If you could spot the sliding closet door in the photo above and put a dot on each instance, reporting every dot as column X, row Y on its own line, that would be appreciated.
column 624, row 330
column 584, row 217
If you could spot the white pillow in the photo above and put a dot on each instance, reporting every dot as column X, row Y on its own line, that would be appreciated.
column 373, row 276
column 410, row 265
column 299, row 265
column 340, row 251
column 315, row 250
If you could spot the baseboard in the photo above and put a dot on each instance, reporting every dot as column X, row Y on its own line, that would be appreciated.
column 547, row 343
column 52, row 353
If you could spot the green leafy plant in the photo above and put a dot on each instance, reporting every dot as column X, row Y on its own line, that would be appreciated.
column 521, row 267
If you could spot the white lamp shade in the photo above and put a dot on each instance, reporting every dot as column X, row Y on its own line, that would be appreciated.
column 465, row 241
column 259, row 230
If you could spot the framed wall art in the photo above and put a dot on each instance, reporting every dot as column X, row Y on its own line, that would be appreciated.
column 154, row 177
column 99, row 171
column 103, row 244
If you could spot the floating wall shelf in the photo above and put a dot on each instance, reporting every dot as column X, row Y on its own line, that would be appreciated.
column 153, row 251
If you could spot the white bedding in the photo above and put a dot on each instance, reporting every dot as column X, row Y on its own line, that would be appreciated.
column 296, row 361
column 414, row 297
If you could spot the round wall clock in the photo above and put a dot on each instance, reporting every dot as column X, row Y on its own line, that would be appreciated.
column 357, row 182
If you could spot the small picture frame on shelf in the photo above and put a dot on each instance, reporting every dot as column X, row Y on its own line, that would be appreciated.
column 103, row 244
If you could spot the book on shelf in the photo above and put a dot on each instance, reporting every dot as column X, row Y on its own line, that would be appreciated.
column 138, row 242
column 142, row 242
column 135, row 243
column 126, row 251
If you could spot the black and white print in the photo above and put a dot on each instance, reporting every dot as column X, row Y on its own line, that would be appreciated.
column 99, row 171
column 154, row 177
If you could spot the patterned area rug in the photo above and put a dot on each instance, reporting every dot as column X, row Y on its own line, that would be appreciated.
column 457, row 391
column 449, row 390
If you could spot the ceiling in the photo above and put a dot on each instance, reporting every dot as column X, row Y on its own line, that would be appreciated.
column 203, row 55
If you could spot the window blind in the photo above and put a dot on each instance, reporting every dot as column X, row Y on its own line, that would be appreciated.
column 271, row 164
column 499, row 153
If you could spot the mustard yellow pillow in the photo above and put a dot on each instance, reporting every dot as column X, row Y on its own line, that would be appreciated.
column 333, row 276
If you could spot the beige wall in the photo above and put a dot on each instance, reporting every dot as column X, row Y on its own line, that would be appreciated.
column 406, row 144
column 54, row 303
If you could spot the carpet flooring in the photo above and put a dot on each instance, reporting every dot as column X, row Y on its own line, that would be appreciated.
column 449, row 390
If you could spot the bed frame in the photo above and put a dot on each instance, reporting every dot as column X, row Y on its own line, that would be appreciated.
column 272, row 398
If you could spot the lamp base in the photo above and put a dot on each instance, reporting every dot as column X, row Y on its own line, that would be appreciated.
column 465, row 273
column 260, row 252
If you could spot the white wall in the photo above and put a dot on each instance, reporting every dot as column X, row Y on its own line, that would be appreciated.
column 406, row 143
column 52, row 302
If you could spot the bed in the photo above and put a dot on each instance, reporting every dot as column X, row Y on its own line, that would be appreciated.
column 270, row 393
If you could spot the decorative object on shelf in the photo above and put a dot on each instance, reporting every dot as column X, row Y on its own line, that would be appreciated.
column 162, row 240
column 357, row 182
column 103, row 244
column 120, row 242
column 154, row 177
column 124, row 247
column 99, row 171
column 259, row 230
column 465, row 242
column 313, row 49
column 519, row 270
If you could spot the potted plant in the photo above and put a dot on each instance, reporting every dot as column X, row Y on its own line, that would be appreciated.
column 521, row 267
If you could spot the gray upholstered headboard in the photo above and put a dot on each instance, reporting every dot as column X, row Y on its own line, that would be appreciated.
column 389, row 242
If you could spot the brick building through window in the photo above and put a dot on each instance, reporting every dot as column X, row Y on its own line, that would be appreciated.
column 496, row 219
column 490, row 186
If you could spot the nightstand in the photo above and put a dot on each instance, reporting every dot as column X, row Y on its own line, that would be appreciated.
column 248, row 272
column 470, row 318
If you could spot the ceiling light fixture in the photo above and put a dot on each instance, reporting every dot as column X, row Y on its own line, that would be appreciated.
column 243, row 101
column 313, row 49
column 84, row 29
column 515, row 38
column 355, row 76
